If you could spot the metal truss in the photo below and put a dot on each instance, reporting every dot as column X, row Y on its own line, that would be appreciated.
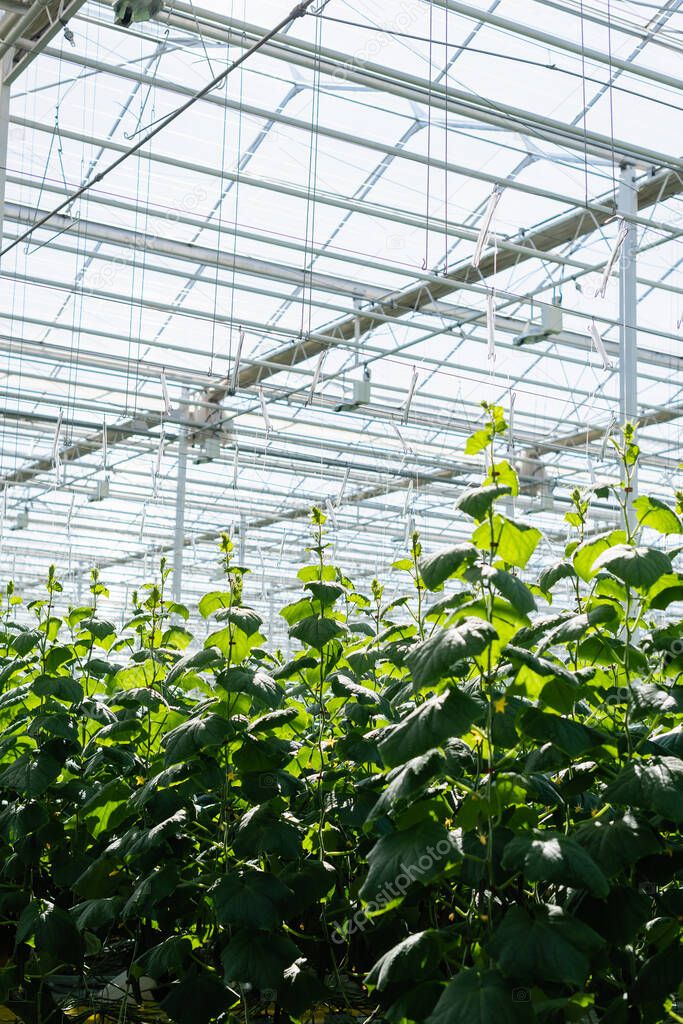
column 320, row 216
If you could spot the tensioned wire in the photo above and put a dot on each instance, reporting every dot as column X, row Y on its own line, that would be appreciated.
column 296, row 12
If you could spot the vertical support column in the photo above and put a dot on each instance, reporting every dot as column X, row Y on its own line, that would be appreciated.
column 181, row 482
column 5, row 64
column 628, row 309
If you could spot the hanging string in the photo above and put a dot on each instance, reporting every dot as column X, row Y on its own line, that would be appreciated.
column 425, row 262
column 311, row 192
column 584, row 103
column 445, row 155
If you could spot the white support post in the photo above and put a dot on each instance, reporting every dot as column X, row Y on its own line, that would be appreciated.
column 628, row 309
column 179, row 536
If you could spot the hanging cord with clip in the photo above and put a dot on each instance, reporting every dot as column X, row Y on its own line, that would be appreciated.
column 296, row 12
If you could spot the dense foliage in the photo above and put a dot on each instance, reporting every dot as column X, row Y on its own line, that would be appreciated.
column 451, row 808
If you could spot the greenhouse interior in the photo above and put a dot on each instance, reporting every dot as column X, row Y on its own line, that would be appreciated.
column 341, row 512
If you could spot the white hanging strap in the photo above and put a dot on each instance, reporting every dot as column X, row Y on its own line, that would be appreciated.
column 409, row 498
column 331, row 513
column 485, row 228
column 235, row 467
column 511, row 421
column 406, row 447
column 105, row 446
column 157, row 466
column 610, row 428
column 263, row 573
column 57, row 462
column 342, row 489
column 142, row 520
column 491, row 325
column 316, row 375
column 614, row 256
column 236, row 365
column 679, row 322
column 166, row 398
column 411, row 393
column 264, row 410
column 600, row 346
column 282, row 547
column 194, row 550
column 3, row 516
column 410, row 530
column 70, row 513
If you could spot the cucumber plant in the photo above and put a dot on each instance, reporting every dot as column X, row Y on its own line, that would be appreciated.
column 460, row 804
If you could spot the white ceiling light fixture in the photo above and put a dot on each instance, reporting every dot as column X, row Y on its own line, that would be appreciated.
column 551, row 324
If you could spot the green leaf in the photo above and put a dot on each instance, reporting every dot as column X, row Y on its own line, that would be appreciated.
column 434, row 658
column 193, row 662
column 515, row 543
column 667, row 590
column 408, row 962
column 474, row 997
column 510, row 587
column 190, row 738
column 618, row 843
column 407, row 782
column 573, row 628
column 655, row 785
column 431, row 724
column 657, row 515
column 444, row 564
column 552, row 575
column 260, row 831
column 198, row 998
column 315, row 631
column 213, row 602
column 170, row 956
column 660, row 976
column 555, row 858
column 585, row 554
column 544, row 945
column 416, row 854
column 31, row 774
column 574, row 738
column 62, row 687
column 245, row 619
column 251, row 899
column 258, row 958
column 477, row 501
column 639, row 567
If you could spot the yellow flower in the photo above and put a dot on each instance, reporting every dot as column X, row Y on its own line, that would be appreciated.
column 499, row 705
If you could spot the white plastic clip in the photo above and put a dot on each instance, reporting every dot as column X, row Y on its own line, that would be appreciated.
column 485, row 228
column 236, row 366
column 411, row 393
column 264, row 410
column 600, row 346
column 614, row 256
column 166, row 398
column 57, row 462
